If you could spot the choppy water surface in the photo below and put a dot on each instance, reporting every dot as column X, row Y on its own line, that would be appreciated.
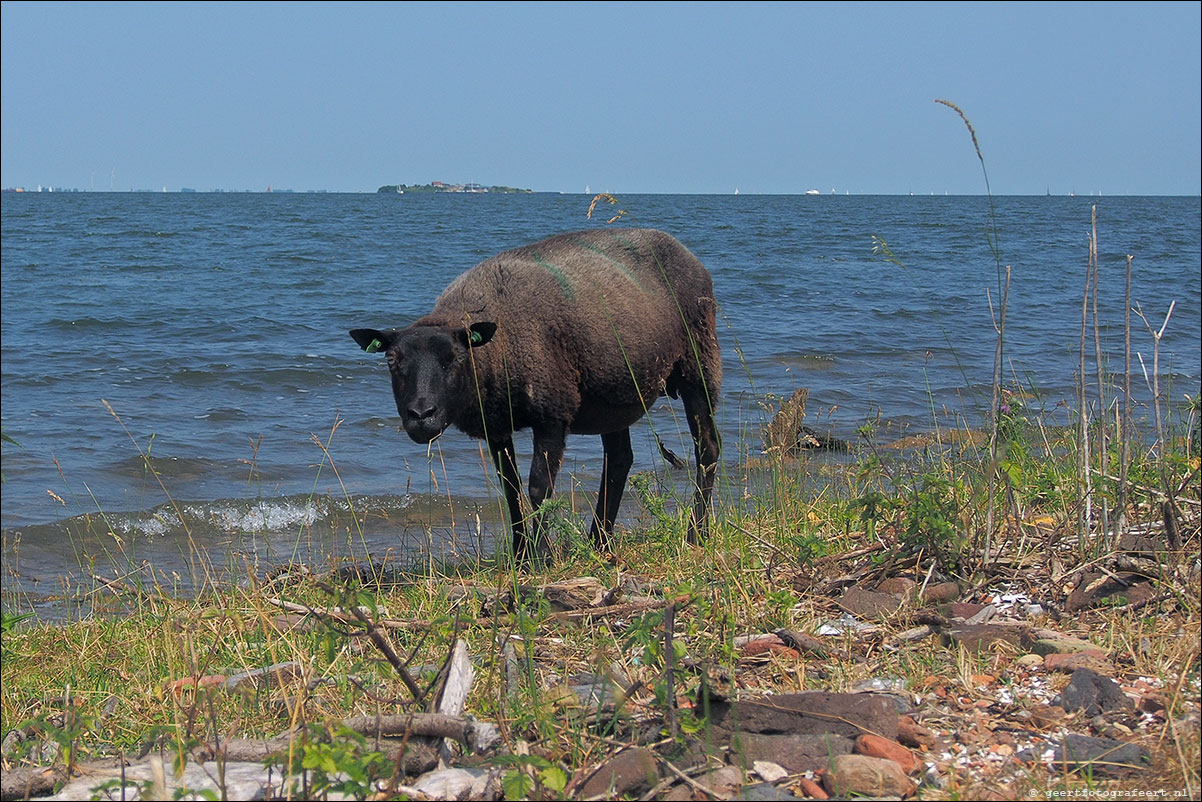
column 213, row 326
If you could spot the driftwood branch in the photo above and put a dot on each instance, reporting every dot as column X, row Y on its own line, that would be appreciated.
column 603, row 611
column 382, row 643
column 465, row 730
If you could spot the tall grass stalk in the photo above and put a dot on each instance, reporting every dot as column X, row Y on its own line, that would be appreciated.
column 991, row 238
column 1084, row 486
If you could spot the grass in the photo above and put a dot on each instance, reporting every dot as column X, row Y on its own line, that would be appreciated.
column 120, row 685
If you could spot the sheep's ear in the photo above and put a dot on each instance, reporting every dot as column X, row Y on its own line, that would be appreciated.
column 480, row 333
column 371, row 340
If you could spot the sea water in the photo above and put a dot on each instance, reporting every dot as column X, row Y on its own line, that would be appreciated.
column 180, row 384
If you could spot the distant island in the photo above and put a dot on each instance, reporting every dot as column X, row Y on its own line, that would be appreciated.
column 439, row 186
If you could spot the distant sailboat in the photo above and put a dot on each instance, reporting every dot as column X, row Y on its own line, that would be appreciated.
column 736, row 190
column 587, row 191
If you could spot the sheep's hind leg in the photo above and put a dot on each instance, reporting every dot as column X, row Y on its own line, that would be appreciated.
column 615, row 468
column 511, row 485
column 706, row 445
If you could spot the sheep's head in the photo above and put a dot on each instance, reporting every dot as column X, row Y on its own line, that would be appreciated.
column 431, row 369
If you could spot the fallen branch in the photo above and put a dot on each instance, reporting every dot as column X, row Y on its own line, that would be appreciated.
column 472, row 734
column 603, row 611
column 120, row 588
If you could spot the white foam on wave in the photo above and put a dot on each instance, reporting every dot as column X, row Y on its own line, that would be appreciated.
column 268, row 516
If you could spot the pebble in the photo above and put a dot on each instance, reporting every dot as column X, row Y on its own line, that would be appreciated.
column 867, row 776
column 1030, row 661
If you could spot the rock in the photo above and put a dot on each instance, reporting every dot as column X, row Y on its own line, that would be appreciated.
column 725, row 782
column 240, row 780
column 570, row 594
column 626, row 772
column 743, row 641
column 1099, row 755
column 866, row 776
column 1045, row 717
column 459, row 784
column 812, row 789
column 1096, row 589
column 899, row 586
column 876, row 746
column 845, row 624
column 1092, row 693
column 1151, row 703
column 766, row 646
column 1136, row 543
column 1029, row 661
column 881, row 685
column 913, row 735
column 765, row 792
column 771, row 772
column 1065, row 645
column 679, row 793
column 1068, row 663
column 940, row 593
column 418, row 758
column 964, row 610
column 806, row 644
column 982, row 637
column 794, row 753
column 869, row 604
column 983, row 615
column 916, row 633
column 809, row 713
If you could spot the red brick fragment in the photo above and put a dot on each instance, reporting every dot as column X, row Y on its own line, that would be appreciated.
column 876, row 746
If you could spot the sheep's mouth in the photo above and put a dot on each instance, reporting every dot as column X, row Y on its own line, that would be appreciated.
column 423, row 431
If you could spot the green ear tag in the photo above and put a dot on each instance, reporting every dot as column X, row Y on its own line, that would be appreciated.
column 475, row 338
column 373, row 346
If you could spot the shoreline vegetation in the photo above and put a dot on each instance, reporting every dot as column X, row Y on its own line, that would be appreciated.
column 843, row 582
column 1001, row 612
column 440, row 186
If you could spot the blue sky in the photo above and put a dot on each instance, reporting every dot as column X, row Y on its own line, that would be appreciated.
column 675, row 97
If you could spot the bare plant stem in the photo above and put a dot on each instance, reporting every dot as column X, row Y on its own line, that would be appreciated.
column 995, row 411
column 1099, row 369
column 1124, row 429
column 1170, row 505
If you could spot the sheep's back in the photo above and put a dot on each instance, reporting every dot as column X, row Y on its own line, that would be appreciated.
column 613, row 309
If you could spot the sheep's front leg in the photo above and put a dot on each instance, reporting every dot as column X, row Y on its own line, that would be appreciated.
column 549, row 441
column 706, row 446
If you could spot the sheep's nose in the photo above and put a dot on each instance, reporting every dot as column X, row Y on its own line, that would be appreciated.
column 422, row 412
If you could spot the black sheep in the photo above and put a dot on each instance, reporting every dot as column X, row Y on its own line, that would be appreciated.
column 578, row 333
